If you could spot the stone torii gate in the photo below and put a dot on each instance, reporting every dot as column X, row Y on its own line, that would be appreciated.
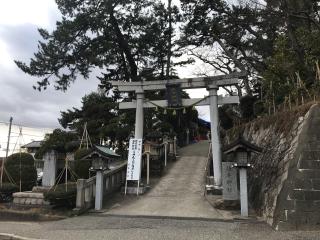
column 212, row 84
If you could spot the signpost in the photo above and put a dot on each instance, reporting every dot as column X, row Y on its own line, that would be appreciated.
column 134, row 162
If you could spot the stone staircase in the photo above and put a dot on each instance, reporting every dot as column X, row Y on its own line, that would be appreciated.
column 300, row 206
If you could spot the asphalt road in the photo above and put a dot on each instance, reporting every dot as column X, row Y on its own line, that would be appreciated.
column 102, row 227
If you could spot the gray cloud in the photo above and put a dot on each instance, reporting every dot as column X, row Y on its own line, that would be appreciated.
column 17, row 97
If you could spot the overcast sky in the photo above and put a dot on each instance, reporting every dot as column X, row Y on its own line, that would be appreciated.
column 19, row 20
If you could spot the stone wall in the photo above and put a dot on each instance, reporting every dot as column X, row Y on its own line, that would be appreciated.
column 284, row 183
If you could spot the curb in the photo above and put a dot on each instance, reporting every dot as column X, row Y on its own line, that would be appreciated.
column 234, row 220
column 6, row 236
column 27, row 216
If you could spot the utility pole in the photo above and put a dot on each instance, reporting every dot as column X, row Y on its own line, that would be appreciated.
column 7, row 151
column 169, row 39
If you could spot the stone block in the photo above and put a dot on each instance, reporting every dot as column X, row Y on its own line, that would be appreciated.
column 309, row 173
column 33, row 201
column 16, row 200
column 297, row 218
column 312, row 195
column 312, row 145
column 297, row 195
column 284, row 226
column 306, row 206
column 289, row 204
column 303, row 184
column 310, row 164
column 310, row 155
column 28, row 201
column 314, row 217
column 315, row 184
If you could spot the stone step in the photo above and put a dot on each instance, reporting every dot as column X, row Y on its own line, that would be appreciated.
column 29, row 198
column 304, row 195
column 314, row 136
column 310, row 155
column 310, row 164
column 307, row 218
column 308, row 173
column 307, row 205
column 307, row 184
column 312, row 145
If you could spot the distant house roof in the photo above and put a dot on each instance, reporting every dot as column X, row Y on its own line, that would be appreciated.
column 33, row 144
column 102, row 152
column 204, row 123
column 241, row 143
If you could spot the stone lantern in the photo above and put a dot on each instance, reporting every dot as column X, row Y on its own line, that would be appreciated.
column 241, row 151
column 99, row 164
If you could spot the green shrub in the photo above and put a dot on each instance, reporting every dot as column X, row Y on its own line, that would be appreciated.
column 59, row 197
column 247, row 107
column 25, row 163
column 81, row 167
column 6, row 191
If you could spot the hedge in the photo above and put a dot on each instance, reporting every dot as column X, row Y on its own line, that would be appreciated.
column 28, row 170
column 81, row 167
column 6, row 191
column 59, row 197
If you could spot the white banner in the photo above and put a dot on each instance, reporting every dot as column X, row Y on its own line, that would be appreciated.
column 134, row 159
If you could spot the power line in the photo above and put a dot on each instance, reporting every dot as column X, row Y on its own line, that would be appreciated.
column 24, row 126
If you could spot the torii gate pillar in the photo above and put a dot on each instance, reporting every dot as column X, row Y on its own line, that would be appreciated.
column 214, row 119
column 138, row 133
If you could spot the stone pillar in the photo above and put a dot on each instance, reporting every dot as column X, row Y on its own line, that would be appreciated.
column 99, row 190
column 216, row 150
column 188, row 136
column 49, row 169
column 80, row 194
column 148, row 168
column 138, row 133
column 243, row 192
column 165, row 153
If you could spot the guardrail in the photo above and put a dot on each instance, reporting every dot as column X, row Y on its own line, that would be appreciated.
column 113, row 179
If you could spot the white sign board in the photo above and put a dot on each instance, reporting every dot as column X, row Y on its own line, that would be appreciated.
column 134, row 159
column 229, row 182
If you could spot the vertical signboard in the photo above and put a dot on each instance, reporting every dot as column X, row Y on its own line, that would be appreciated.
column 134, row 160
column 173, row 94
column 229, row 182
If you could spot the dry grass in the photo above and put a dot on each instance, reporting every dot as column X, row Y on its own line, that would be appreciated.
column 282, row 121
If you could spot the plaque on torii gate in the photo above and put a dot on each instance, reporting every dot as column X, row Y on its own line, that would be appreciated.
column 212, row 84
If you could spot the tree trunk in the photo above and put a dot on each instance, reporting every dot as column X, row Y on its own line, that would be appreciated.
column 169, row 40
column 123, row 44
